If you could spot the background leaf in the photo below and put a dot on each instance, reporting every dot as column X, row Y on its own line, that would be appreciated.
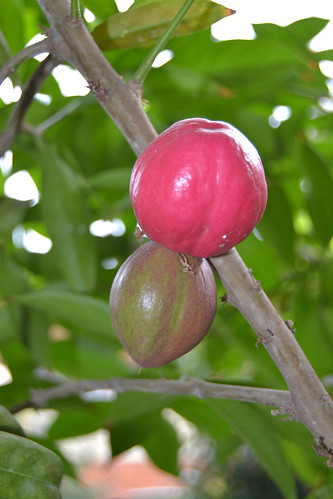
column 67, row 219
column 249, row 424
column 28, row 469
column 154, row 433
column 8, row 423
column 84, row 311
column 318, row 187
column 11, row 214
column 117, row 178
column 277, row 224
column 145, row 23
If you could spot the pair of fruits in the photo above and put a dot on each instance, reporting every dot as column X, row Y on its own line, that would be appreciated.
column 197, row 190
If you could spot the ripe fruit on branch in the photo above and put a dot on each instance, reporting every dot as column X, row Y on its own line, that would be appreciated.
column 162, row 304
column 199, row 188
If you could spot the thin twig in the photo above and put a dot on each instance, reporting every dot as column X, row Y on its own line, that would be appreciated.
column 58, row 116
column 198, row 388
column 5, row 50
column 29, row 91
column 27, row 53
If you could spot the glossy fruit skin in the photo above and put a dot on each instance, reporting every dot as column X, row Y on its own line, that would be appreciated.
column 199, row 188
column 160, row 308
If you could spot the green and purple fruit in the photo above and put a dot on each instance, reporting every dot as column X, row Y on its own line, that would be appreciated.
column 162, row 304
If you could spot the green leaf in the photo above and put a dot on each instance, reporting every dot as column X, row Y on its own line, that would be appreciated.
column 7, row 325
column 27, row 469
column 203, row 416
column 144, row 24
column 87, row 312
column 8, row 423
column 11, row 25
column 12, row 213
column 276, row 226
column 115, row 179
column 240, row 61
column 305, row 29
column 208, row 423
column 154, row 433
column 21, row 365
column 72, row 489
column 12, row 280
column 309, row 316
column 318, row 187
column 130, row 406
column 101, row 9
column 91, row 358
column 162, row 435
column 66, row 425
column 253, row 427
column 37, row 337
column 12, row 276
column 67, row 218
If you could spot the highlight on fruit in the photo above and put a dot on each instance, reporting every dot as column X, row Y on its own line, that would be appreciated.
column 199, row 188
column 162, row 304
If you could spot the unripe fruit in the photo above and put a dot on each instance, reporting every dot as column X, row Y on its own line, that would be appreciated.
column 199, row 188
column 162, row 304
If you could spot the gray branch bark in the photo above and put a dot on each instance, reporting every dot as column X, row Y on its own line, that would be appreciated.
column 313, row 405
column 30, row 51
column 198, row 388
column 70, row 40
column 31, row 88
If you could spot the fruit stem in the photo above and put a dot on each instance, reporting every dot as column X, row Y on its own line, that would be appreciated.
column 144, row 68
column 188, row 267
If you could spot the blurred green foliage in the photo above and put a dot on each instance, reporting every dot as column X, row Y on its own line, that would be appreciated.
column 81, row 166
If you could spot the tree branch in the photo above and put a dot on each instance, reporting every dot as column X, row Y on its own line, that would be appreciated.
column 30, row 51
column 29, row 91
column 69, row 39
column 198, row 388
column 314, row 406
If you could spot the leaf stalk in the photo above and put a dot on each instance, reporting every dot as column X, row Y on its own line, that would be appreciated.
column 143, row 70
column 75, row 9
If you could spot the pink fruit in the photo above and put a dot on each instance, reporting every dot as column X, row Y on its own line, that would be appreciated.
column 162, row 304
column 199, row 188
